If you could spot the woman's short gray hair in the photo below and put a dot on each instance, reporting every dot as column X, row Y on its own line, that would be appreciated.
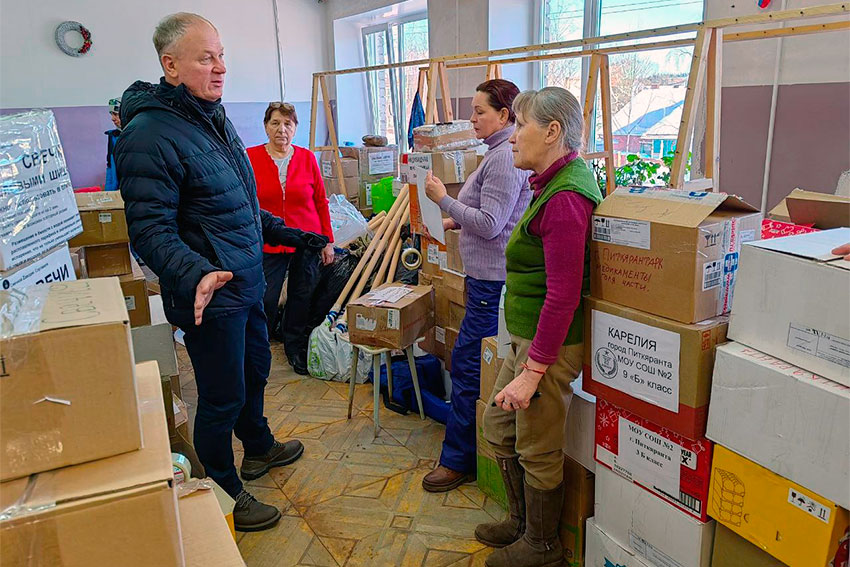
column 171, row 28
column 554, row 104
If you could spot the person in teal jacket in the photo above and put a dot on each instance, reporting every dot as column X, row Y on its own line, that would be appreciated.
column 111, row 183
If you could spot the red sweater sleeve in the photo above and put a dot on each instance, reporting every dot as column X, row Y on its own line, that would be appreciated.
column 321, row 199
column 563, row 253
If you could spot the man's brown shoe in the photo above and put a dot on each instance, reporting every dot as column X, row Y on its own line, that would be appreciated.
column 279, row 455
column 443, row 479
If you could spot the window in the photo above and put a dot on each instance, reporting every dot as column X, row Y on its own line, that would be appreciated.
column 391, row 91
column 647, row 88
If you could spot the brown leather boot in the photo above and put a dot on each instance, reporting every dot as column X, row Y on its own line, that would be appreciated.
column 509, row 530
column 539, row 546
column 443, row 479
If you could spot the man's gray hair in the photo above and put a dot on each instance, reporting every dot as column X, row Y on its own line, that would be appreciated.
column 171, row 28
column 554, row 104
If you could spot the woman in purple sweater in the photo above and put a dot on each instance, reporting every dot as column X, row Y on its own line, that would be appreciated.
column 489, row 205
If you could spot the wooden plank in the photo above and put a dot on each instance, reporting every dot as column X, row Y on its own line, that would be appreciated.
column 692, row 97
column 314, row 103
column 607, row 127
column 714, row 80
column 783, row 32
column 431, row 104
column 498, row 71
column 332, row 132
column 595, row 155
column 420, row 86
column 590, row 96
column 448, row 113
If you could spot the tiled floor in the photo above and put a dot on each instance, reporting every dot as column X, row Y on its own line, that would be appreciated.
column 353, row 500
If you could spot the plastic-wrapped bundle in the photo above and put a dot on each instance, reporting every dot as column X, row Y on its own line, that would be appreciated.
column 37, row 207
column 346, row 221
column 444, row 137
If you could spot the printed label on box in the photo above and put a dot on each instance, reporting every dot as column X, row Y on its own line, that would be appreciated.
column 488, row 355
column 821, row 344
column 808, row 505
column 433, row 254
column 650, row 458
column 712, row 274
column 650, row 552
column 368, row 194
column 130, row 302
column 748, row 235
column 623, row 232
column 327, row 170
column 458, row 163
column 364, row 323
column 637, row 359
column 105, row 218
column 444, row 260
column 393, row 319
column 440, row 334
column 419, row 160
column 381, row 162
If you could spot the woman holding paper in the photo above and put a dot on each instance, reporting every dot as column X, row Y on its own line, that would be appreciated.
column 486, row 210
column 290, row 186
column 547, row 272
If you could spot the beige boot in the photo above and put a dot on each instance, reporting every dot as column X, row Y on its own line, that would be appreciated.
column 539, row 546
column 506, row 532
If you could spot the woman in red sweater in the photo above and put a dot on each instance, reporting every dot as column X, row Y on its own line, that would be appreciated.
column 290, row 186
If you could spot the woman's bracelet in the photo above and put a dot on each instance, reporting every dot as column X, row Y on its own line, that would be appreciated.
column 530, row 369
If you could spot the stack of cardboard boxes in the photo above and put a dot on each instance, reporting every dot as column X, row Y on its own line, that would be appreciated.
column 663, row 273
column 351, row 177
column 780, row 407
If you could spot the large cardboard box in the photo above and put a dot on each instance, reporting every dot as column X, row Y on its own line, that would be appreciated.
column 350, row 165
column 134, row 286
column 786, row 419
column 350, row 190
column 792, row 523
column 54, row 266
column 578, row 507
column 453, row 286
column 457, row 313
column 206, row 537
column 375, row 162
column 731, row 550
column 451, row 339
column 453, row 257
column 68, row 391
column 671, row 253
column 443, row 137
column 792, row 302
column 374, row 321
column 107, row 260
column 491, row 364
column 580, row 428
column 39, row 211
column 434, row 258
column 435, row 342
column 811, row 208
column 603, row 551
column 120, row 510
column 449, row 167
column 489, row 477
column 672, row 467
column 654, row 530
column 657, row 368
column 102, row 215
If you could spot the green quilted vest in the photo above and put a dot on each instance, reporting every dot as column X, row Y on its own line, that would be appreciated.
column 526, row 281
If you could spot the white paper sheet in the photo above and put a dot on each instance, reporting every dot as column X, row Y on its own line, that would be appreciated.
column 388, row 295
column 432, row 218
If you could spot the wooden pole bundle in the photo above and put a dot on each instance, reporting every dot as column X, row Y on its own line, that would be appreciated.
column 376, row 221
column 392, row 243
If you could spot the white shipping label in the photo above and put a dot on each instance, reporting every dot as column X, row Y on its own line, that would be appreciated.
column 381, row 162
column 487, row 356
column 808, row 505
column 130, row 302
column 419, row 160
column 327, row 169
column 457, row 157
column 623, row 232
column 368, row 194
column 649, row 458
column 105, row 218
column 821, row 344
column 433, row 254
column 393, row 318
column 651, row 552
column 748, row 235
column 364, row 323
column 637, row 359
column 440, row 334
column 444, row 260
column 712, row 274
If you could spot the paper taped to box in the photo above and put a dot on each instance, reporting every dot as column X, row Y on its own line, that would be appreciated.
column 54, row 266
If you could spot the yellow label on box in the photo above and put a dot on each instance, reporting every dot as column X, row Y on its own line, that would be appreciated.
column 788, row 521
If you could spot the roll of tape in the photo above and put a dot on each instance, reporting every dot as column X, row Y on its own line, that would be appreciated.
column 182, row 468
column 407, row 262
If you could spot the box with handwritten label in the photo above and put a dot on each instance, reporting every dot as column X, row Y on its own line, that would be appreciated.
column 670, row 253
column 671, row 466
column 391, row 316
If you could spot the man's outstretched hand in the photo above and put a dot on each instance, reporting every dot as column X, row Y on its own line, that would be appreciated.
column 204, row 292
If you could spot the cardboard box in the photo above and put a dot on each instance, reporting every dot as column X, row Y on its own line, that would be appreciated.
column 453, row 258
column 120, row 510
column 156, row 342
column 792, row 523
column 107, row 260
column 781, row 306
column 489, row 477
column 811, row 208
column 135, row 291
column 657, row 532
column 67, row 372
column 580, row 428
column 491, row 364
column 578, row 508
column 54, row 266
column 655, row 367
column 434, row 258
column 206, row 536
column 454, row 286
column 786, row 419
column 603, row 551
column 102, row 215
column 448, row 167
column 435, row 342
column 351, row 189
column 671, row 253
column 668, row 465
column 443, row 137
column 731, row 550
column 374, row 162
column 39, row 211
column 391, row 324
column 75, row 261
column 451, row 339
column 457, row 313
column 350, row 165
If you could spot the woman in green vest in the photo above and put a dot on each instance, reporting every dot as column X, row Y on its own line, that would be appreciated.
column 547, row 274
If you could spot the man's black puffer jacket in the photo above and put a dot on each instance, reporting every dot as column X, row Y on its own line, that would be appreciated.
column 191, row 200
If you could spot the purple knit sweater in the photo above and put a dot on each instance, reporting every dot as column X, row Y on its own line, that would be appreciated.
column 488, row 207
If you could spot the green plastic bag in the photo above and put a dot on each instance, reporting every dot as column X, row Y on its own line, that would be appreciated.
column 382, row 195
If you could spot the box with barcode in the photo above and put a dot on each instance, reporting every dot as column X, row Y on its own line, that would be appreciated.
column 448, row 167
column 391, row 316
column 102, row 215
column 670, row 253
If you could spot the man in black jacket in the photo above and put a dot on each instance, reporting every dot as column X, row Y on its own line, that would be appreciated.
column 193, row 217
